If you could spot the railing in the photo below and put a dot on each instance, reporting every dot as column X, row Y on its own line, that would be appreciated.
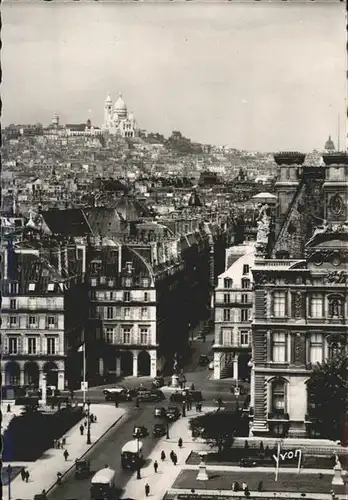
column 278, row 416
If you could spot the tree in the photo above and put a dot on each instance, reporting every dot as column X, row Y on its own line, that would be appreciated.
column 217, row 428
column 328, row 396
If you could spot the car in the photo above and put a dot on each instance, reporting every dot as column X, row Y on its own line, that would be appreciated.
column 140, row 431
column 159, row 430
column 203, row 360
column 118, row 393
column 211, row 365
column 158, row 382
column 172, row 413
column 247, row 462
column 160, row 412
column 151, row 396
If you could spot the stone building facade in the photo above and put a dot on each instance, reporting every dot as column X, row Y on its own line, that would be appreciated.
column 301, row 307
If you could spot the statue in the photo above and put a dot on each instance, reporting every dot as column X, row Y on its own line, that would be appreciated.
column 263, row 229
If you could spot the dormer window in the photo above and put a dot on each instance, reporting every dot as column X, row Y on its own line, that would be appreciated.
column 228, row 283
column 129, row 267
column 245, row 269
column 245, row 283
column 50, row 287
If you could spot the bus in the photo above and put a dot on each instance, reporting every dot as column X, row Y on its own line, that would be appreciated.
column 103, row 485
column 131, row 455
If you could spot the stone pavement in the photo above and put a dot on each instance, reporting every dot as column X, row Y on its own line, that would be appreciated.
column 161, row 481
column 8, row 416
column 43, row 472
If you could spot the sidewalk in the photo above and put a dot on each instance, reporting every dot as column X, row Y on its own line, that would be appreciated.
column 8, row 416
column 43, row 472
column 161, row 481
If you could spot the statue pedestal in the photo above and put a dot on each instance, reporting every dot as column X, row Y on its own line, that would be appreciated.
column 43, row 400
column 337, row 479
column 202, row 469
column 175, row 381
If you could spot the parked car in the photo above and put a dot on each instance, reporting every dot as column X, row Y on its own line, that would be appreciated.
column 160, row 412
column 113, row 393
column 173, row 413
column 247, row 462
column 203, row 360
column 82, row 469
column 159, row 430
column 140, row 431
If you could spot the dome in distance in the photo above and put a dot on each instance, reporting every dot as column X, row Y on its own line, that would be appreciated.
column 120, row 105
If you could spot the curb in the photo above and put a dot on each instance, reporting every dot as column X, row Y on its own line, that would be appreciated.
column 54, row 485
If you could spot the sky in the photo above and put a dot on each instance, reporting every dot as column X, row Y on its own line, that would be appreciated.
column 259, row 76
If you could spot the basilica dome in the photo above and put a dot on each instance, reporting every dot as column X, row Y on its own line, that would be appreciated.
column 120, row 106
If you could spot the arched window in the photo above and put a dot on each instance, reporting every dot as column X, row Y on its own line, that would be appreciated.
column 335, row 306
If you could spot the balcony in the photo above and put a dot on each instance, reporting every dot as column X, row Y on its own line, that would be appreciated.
column 278, row 416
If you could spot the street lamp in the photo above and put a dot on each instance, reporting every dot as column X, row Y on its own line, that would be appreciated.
column 138, row 460
column 167, row 422
column 9, row 474
column 89, row 422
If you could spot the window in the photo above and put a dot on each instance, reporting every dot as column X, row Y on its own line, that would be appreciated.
column 93, row 282
column 51, row 345
column 13, row 288
column 227, row 298
column 144, row 313
column 12, row 345
column 126, row 335
column 144, row 336
column 316, row 306
column 126, row 296
column 244, row 298
column 126, row 313
column 228, row 283
column 32, row 322
column 244, row 316
column 51, row 321
column 102, row 280
column 227, row 314
column 128, row 282
column 31, row 345
column 245, row 269
column 146, row 296
column 244, row 337
column 109, row 335
column 13, row 304
column 109, row 313
column 145, row 282
column 335, row 308
column 278, row 397
column 279, row 348
column 13, row 321
column 111, row 283
column 129, row 267
column 50, row 287
column 226, row 336
column 245, row 283
column 31, row 287
column 279, row 304
column 316, row 348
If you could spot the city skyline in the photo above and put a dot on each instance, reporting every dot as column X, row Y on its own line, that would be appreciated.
column 211, row 71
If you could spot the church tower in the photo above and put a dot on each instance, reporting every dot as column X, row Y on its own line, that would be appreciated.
column 107, row 110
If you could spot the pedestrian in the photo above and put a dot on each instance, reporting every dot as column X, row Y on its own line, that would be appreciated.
column 147, row 489
column 43, row 493
column 22, row 473
column 59, row 478
column 8, row 408
column 27, row 475
column 81, row 429
column 95, row 418
column 163, row 455
column 192, row 388
column 155, row 465
column 85, row 423
column 172, row 456
column 54, row 443
column 260, row 486
column 66, row 454
column 180, row 443
column 219, row 401
column 72, row 393
column 116, row 402
column 175, row 459
column 59, row 444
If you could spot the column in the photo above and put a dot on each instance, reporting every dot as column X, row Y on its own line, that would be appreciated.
column 43, row 387
column 217, row 365
column 3, row 376
column 135, row 363
column 118, row 366
column 235, row 367
column 153, row 363
column 61, row 380
column 41, row 376
column 21, row 376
